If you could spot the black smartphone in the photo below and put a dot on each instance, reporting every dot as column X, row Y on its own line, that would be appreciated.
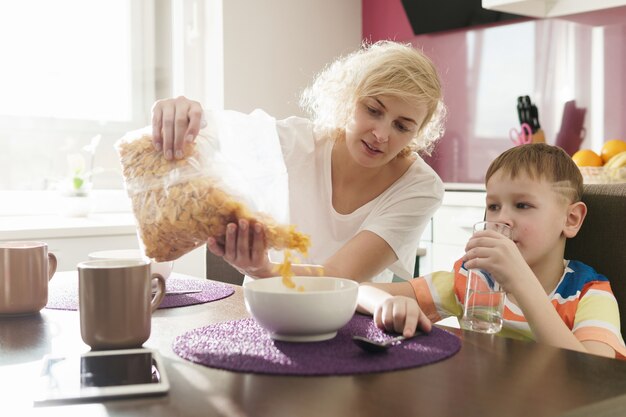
column 101, row 375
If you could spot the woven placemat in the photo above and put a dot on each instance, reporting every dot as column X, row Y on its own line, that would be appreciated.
column 244, row 346
column 63, row 294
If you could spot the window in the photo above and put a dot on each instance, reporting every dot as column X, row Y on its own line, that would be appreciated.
column 71, row 70
column 506, row 54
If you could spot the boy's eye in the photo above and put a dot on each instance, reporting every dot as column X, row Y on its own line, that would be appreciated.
column 492, row 207
column 522, row 205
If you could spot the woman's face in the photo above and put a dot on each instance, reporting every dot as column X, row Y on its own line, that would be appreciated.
column 381, row 127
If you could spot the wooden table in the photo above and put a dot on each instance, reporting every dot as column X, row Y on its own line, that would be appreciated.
column 490, row 376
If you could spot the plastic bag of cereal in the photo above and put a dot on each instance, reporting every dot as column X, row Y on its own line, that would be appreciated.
column 225, row 176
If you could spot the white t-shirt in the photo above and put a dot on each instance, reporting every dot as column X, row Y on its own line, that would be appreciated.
column 399, row 215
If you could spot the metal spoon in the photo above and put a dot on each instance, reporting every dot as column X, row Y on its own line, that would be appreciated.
column 375, row 346
column 179, row 292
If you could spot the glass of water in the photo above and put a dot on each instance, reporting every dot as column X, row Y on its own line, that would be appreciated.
column 484, row 298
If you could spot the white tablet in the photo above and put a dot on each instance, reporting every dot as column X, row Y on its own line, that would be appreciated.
column 101, row 375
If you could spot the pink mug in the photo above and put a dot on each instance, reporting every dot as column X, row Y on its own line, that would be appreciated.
column 25, row 269
column 115, row 302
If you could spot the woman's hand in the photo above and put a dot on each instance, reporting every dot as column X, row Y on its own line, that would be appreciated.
column 401, row 315
column 245, row 248
column 174, row 122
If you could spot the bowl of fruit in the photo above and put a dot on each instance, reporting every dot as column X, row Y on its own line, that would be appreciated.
column 608, row 166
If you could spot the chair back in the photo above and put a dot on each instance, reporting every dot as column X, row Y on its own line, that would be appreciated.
column 601, row 241
column 218, row 269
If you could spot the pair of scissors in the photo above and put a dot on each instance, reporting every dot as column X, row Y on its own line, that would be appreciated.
column 527, row 113
column 523, row 136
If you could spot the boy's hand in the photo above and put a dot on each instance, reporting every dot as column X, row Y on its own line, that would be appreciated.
column 401, row 314
column 498, row 255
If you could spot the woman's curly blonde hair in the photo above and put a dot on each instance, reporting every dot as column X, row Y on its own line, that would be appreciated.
column 382, row 68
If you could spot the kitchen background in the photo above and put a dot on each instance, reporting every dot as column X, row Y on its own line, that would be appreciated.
column 78, row 74
column 76, row 69
column 580, row 58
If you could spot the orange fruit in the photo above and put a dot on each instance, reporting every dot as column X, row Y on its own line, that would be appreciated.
column 612, row 148
column 587, row 158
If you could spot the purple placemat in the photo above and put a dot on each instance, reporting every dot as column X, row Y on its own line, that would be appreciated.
column 244, row 346
column 63, row 294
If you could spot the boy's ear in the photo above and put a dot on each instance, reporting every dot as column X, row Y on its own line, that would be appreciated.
column 576, row 213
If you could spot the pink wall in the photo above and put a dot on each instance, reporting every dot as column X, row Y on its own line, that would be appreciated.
column 560, row 68
column 385, row 19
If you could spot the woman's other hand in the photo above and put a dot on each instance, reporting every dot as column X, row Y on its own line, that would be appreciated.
column 174, row 122
column 245, row 248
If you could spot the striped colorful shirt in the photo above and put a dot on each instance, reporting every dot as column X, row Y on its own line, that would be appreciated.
column 582, row 298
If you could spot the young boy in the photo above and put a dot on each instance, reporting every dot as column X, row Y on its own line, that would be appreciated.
column 536, row 190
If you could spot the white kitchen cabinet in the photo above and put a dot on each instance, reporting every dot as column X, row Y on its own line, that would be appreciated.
column 70, row 251
column 451, row 228
column 550, row 8
column 72, row 239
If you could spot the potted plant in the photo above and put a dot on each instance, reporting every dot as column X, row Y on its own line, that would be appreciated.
column 77, row 185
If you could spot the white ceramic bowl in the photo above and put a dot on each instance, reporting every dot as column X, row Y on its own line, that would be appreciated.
column 162, row 268
column 315, row 314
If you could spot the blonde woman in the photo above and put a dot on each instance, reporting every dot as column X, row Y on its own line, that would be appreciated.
column 357, row 184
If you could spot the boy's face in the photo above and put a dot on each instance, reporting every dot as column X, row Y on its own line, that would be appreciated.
column 536, row 213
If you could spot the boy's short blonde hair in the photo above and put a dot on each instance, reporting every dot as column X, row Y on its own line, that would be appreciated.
column 541, row 161
column 382, row 68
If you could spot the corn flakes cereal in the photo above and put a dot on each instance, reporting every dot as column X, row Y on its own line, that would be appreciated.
column 177, row 213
